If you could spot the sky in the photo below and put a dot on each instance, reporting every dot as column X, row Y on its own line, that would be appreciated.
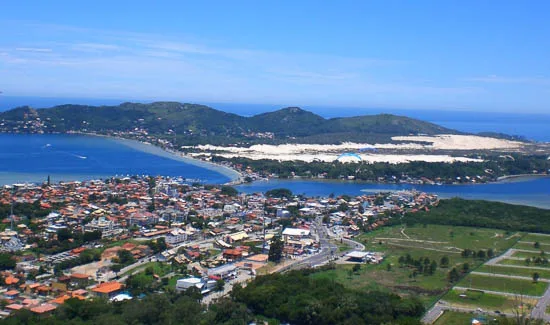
column 446, row 55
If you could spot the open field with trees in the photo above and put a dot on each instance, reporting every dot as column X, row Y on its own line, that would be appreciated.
column 506, row 270
column 486, row 301
column 512, row 286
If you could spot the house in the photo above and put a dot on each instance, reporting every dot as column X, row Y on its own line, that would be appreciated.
column 232, row 254
column 107, row 289
column 43, row 309
column 235, row 237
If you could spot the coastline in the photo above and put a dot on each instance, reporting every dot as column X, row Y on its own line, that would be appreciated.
column 519, row 177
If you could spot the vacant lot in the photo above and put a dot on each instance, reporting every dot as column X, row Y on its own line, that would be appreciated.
column 478, row 299
column 454, row 318
column 522, row 262
column 512, row 286
column 506, row 270
column 531, row 255
column 542, row 239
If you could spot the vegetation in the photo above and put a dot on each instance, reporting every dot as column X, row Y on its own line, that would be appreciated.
column 295, row 297
column 375, row 172
column 276, row 249
column 192, row 124
column 485, row 214
column 514, row 286
column 299, row 299
column 279, row 193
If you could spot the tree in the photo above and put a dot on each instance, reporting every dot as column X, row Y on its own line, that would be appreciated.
column 356, row 268
column 444, row 262
column 433, row 267
column 453, row 276
column 465, row 267
column 536, row 277
column 490, row 253
column 125, row 257
column 229, row 191
column 537, row 245
column 6, row 262
column 220, row 284
column 388, row 267
column 481, row 254
column 276, row 249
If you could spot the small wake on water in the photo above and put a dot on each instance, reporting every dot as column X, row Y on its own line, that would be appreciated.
column 80, row 157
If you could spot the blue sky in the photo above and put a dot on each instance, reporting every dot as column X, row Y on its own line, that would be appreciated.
column 474, row 55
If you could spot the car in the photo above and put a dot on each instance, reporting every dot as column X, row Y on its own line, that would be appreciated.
column 497, row 312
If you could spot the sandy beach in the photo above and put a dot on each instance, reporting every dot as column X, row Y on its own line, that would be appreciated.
column 154, row 150
column 366, row 152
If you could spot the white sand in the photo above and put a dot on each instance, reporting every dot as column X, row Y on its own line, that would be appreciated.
column 461, row 142
column 329, row 153
column 370, row 158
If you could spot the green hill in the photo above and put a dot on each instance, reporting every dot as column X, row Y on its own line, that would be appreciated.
column 193, row 123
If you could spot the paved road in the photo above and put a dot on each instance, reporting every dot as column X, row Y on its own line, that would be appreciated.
column 433, row 314
column 539, row 311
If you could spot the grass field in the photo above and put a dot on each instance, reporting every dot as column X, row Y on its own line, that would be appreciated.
column 477, row 299
column 454, row 318
column 543, row 239
column 530, row 255
column 443, row 238
column 513, row 271
column 430, row 241
column 513, row 286
column 507, row 261
column 531, row 247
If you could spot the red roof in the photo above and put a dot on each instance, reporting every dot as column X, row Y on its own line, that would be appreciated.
column 107, row 287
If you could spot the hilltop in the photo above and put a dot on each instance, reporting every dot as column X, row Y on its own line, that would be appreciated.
column 193, row 123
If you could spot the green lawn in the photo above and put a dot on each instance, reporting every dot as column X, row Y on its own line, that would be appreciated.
column 446, row 238
column 537, row 237
column 507, row 261
column 514, row 286
column 513, row 271
column 530, row 255
column 531, row 247
column 477, row 299
column 454, row 318
column 159, row 269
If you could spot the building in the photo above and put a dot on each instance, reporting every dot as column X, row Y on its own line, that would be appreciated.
column 184, row 284
column 176, row 236
column 107, row 227
column 108, row 289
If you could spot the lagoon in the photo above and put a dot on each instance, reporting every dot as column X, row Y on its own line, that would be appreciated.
column 534, row 191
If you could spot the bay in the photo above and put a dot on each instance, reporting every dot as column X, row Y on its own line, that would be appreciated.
column 31, row 158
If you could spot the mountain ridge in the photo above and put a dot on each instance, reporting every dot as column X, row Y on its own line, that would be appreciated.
column 195, row 123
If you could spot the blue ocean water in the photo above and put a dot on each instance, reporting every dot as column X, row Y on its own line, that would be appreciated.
column 34, row 157
column 531, row 126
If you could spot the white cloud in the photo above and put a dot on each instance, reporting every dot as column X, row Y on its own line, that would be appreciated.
column 33, row 49
column 510, row 80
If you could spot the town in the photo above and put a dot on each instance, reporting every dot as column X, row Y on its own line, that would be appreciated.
column 123, row 238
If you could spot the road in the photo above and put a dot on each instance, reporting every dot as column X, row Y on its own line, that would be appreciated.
column 433, row 314
column 539, row 311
